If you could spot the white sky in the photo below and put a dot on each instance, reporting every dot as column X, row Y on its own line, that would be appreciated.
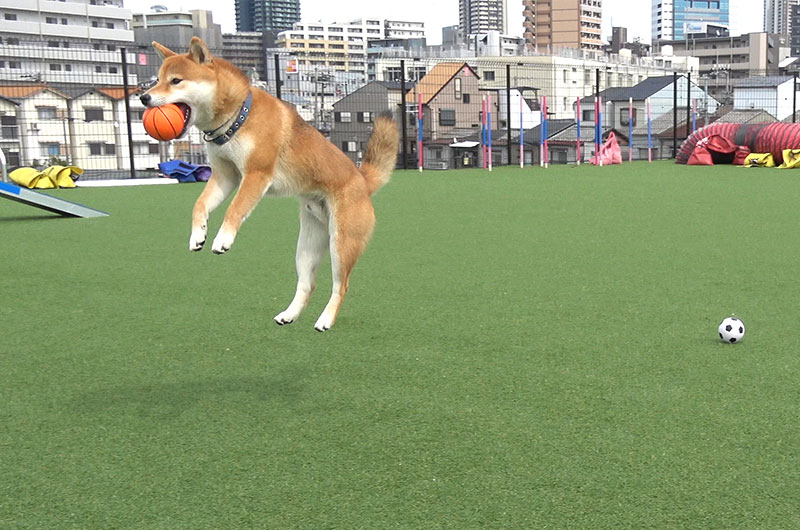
column 746, row 15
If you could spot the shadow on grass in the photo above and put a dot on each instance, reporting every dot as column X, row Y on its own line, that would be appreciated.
column 40, row 217
column 169, row 400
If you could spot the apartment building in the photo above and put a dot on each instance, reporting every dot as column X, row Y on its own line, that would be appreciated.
column 64, row 42
column 778, row 16
column 266, row 15
column 335, row 46
column 551, row 24
column 480, row 16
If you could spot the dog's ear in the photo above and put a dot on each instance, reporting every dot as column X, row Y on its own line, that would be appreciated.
column 162, row 50
column 198, row 51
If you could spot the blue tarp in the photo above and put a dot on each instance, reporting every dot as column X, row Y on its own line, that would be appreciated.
column 184, row 171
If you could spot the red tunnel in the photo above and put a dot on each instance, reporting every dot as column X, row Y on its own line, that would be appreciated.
column 759, row 138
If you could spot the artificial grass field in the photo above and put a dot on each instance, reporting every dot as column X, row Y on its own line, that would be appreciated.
column 520, row 349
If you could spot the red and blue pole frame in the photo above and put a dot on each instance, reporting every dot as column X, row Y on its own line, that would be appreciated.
column 419, row 130
column 544, row 134
column 489, row 127
column 599, row 129
column 649, row 134
column 694, row 115
column 578, row 121
column 521, row 135
column 630, row 130
column 483, row 130
column 541, row 132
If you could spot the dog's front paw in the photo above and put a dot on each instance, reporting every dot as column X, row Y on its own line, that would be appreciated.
column 222, row 243
column 197, row 240
column 324, row 323
column 285, row 317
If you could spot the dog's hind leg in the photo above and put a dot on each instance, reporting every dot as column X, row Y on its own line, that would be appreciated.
column 223, row 181
column 352, row 222
column 312, row 244
column 254, row 185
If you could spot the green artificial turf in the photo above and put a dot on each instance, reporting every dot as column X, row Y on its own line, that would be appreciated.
column 521, row 349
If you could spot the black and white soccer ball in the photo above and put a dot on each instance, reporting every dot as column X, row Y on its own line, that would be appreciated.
column 731, row 330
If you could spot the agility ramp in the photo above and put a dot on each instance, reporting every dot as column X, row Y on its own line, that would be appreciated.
column 47, row 202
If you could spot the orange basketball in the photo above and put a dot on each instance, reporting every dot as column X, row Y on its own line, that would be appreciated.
column 164, row 123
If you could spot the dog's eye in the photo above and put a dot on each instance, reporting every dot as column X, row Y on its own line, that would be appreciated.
column 176, row 81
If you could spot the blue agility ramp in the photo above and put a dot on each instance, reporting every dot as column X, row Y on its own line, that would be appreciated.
column 47, row 202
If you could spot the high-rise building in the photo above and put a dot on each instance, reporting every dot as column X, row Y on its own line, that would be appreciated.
column 266, row 15
column 480, row 16
column 778, row 16
column 676, row 19
column 552, row 24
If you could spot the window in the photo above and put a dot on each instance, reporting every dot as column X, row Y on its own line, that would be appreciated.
column 447, row 117
column 50, row 148
column 50, row 20
column 55, row 67
column 46, row 113
column 344, row 117
column 365, row 117
column 112, row 69
column 465, row 98
column 624, row 117
column 488, row 75
column 68, row 67
column 98, row 149
column 349, row 147
column 93, row 113
column 10, row 16
column 109, row 25
column 587, row 115
column 63, row 21
column 9, row 127
column 14, row 64
column 98, row 69
column 457, row 86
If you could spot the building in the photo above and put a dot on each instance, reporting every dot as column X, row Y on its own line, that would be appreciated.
column 401, row 29
column 772, row 94
column 676, row 19
column 64, row 42
column 174, row 29
column 726, row 61
column 334, row 46
column 551, row 24
column 795, row 33
column 266, row 15
column 247, row 50
column 355, row 113
column 480, row 16
column 778, row 16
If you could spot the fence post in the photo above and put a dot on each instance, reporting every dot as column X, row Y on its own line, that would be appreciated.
column 508, row 112
column 128, row 110
column 688, row 104
column 674, row 114
column 277, row 76
column 794, row 100
column 403, row 115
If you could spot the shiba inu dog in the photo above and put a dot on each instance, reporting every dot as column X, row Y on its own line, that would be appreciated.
column 262, row 146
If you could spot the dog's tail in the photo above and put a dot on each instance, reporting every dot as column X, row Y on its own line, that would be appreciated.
column 381, row 153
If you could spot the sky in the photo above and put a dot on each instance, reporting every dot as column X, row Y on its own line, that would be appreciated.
column 746, row 15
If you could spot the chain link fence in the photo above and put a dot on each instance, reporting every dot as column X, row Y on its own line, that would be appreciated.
column 79, row 106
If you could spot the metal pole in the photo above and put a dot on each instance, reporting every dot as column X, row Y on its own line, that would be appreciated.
column 688, row 104
column 403, row 115
column 674, row 114
column 508, row 111
column 794, row 100
column 277, row 76
column 128, row 110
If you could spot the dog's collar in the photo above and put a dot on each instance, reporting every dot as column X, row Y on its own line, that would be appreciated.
column 223, row 138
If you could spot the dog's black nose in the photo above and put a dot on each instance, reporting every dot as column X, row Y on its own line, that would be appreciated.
column 145, row 99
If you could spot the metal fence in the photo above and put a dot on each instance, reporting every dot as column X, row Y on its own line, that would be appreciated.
column 80, row 106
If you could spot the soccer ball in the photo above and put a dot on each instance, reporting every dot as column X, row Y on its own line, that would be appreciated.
column 731, row 330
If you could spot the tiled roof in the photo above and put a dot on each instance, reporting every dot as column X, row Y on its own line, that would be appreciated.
column 435, row 80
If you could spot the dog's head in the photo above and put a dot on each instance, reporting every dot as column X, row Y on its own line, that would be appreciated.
column 188, row 80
